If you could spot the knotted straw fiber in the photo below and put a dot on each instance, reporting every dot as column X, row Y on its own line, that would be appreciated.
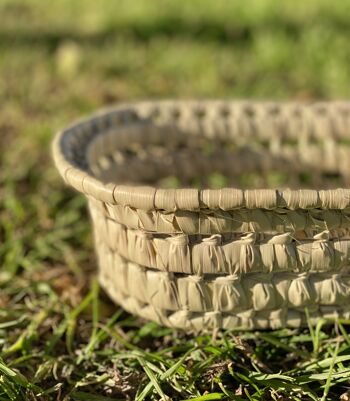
column 234, row 257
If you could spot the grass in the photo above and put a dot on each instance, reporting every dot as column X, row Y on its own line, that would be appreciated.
column 60, row 336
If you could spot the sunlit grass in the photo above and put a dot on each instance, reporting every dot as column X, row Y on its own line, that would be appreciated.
column 60, row 336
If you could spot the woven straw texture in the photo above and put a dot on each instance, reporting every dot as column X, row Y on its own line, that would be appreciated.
column 208, row 258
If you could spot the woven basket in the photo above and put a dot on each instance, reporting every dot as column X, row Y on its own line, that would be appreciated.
column 204, row 258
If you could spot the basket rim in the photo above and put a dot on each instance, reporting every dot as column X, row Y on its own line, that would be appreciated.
column 170, row 200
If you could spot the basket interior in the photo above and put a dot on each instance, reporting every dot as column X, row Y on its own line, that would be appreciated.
column 211, row 156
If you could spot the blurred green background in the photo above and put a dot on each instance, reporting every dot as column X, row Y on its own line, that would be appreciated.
column 61, row 59
column 64, row 58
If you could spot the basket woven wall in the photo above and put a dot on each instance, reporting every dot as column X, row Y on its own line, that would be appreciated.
column 202, row 258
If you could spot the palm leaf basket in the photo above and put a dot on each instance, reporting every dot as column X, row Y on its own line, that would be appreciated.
column 233, row 257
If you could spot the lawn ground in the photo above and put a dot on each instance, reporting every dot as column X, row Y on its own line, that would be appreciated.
column 60, row 336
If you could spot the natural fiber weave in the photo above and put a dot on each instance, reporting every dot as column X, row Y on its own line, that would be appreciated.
column 231, row 293
column 216, row 254
column 203, row 258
